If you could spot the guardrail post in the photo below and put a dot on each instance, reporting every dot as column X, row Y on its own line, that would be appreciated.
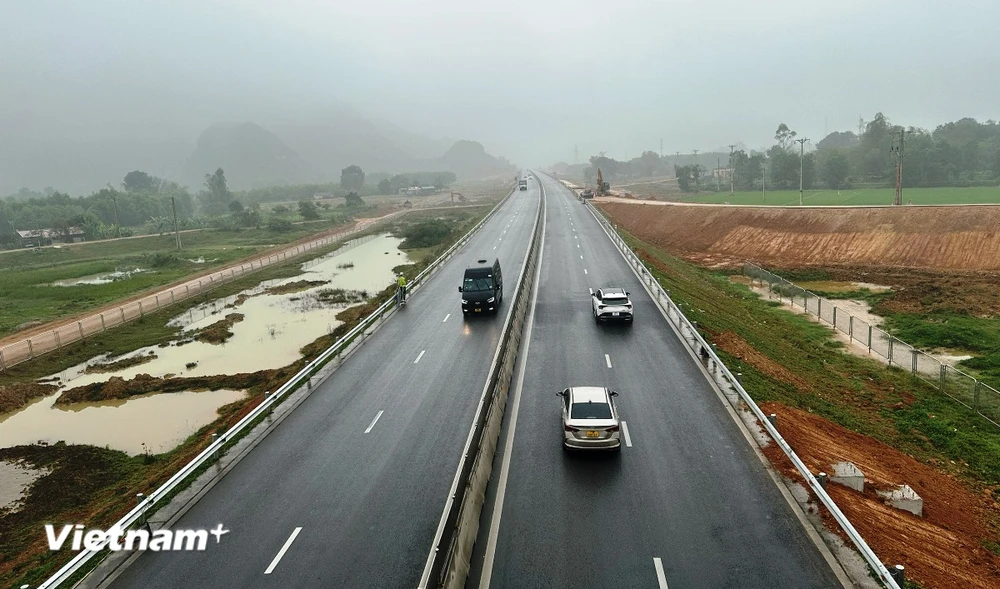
column 139, row 498
column 215, row 454
column 773, row 420
column 898, row 574
column 739, row 377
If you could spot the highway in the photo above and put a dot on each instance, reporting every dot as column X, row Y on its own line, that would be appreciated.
column 687, row 503
column 349, row 489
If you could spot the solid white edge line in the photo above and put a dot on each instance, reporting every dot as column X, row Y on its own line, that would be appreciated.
column 419, row 356
column 377, row 415
column 628, row 438
column 584, row 270
column 660, row 577
column 491, row 541
column 446, row 317
column 607, row 358
column 281, row 552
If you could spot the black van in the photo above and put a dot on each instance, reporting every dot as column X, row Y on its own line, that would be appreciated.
column 482, row 288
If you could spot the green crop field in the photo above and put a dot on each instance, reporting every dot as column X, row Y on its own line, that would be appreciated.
column 859, row 196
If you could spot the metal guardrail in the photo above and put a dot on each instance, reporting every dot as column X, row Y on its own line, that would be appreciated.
column 963, row 388
column 69, row 333
column 213, row 450
column 448, row 563
column 689, row 333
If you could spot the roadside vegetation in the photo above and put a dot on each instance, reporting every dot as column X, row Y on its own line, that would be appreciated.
column 787, row 358
column 88, row 484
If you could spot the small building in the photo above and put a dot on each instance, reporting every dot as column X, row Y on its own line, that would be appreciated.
column 40, row 237
column 424, row 190
column 323, row 196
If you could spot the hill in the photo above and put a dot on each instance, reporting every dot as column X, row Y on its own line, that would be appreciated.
column 251, row 156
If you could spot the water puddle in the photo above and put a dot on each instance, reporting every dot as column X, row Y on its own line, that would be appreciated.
column 15, row 479
column 274, row 327
column 102, row 278
column 161, row 421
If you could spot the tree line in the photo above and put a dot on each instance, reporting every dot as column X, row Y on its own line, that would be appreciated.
column 961, row 153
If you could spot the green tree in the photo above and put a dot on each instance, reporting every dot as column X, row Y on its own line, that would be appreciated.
column 684, row 175
column 235, row 207
column 835, row 168
column 138, row 181
column 384, row 186
column 352, row 178
column 353, row 200
column 216, row 196
column 783, row 135
column 308, row 210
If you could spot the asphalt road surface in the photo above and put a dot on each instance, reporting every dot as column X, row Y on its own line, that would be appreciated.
column 349, row 489
column 685, row 504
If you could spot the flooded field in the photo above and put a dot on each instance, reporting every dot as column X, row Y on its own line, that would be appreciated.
column 102, row 278
column 14, row 480
column 274, row 326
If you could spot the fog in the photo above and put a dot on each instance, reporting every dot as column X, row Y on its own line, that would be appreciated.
column 529, row 79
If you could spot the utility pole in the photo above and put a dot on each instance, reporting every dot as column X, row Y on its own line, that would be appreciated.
column 802, row 142
column 695, row 151
column 732, row 171
column 118, row 225
column 763, row 181
column 898, row 150
column 718, row 175
column 177, row 232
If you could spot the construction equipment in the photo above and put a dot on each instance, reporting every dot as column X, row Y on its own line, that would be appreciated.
column 461, row 197
column 603, row 188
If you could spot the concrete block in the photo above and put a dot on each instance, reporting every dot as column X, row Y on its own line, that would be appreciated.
column 905, row 498
column 849, row 475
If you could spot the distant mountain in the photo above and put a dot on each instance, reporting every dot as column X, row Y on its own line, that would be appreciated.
column 469, row 160
column 251, row 156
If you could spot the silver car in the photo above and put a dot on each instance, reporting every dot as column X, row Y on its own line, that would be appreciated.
column 590, row 418
column 611, row 304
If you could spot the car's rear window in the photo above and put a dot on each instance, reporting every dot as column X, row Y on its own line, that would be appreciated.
column 614, row 301
column 590, row 411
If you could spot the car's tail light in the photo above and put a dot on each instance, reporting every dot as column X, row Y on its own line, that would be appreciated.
column 613, row 428
column 600, row 307
column 570, row 428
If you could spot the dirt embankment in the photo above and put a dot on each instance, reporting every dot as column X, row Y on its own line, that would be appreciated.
column 117, row 387
column 17, row 395
column 953, row 238
column 943, row 549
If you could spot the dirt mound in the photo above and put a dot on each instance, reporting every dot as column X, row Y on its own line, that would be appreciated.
column 944, row 549
column 17, row 395
column 942, row 238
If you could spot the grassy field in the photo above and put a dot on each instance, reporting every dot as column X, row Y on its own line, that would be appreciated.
column 861, row 196
column 27, row 293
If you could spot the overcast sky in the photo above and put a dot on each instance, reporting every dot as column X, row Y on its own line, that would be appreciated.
column 528, row 78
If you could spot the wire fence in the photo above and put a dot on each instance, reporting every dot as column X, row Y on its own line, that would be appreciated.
column 48, row 341
column 964, row 388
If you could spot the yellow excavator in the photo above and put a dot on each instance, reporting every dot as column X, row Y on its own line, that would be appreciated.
column 603, row 188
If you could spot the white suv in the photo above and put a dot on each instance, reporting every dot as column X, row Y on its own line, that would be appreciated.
column 611, row 304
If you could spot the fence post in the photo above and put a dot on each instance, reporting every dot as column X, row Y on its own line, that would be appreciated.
column 3, row 364
column 55, row 332
column 157, row 301
column 140, row 309
column 890, row 350
column 835, row 317
column 122, row 310
column 944, row 375
column 103, row 326
column 80, row 325
column 869, row 339
column 819, row 308
column 171, row 296
column 850, row 326
column 914, row 361
column 31, row 350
